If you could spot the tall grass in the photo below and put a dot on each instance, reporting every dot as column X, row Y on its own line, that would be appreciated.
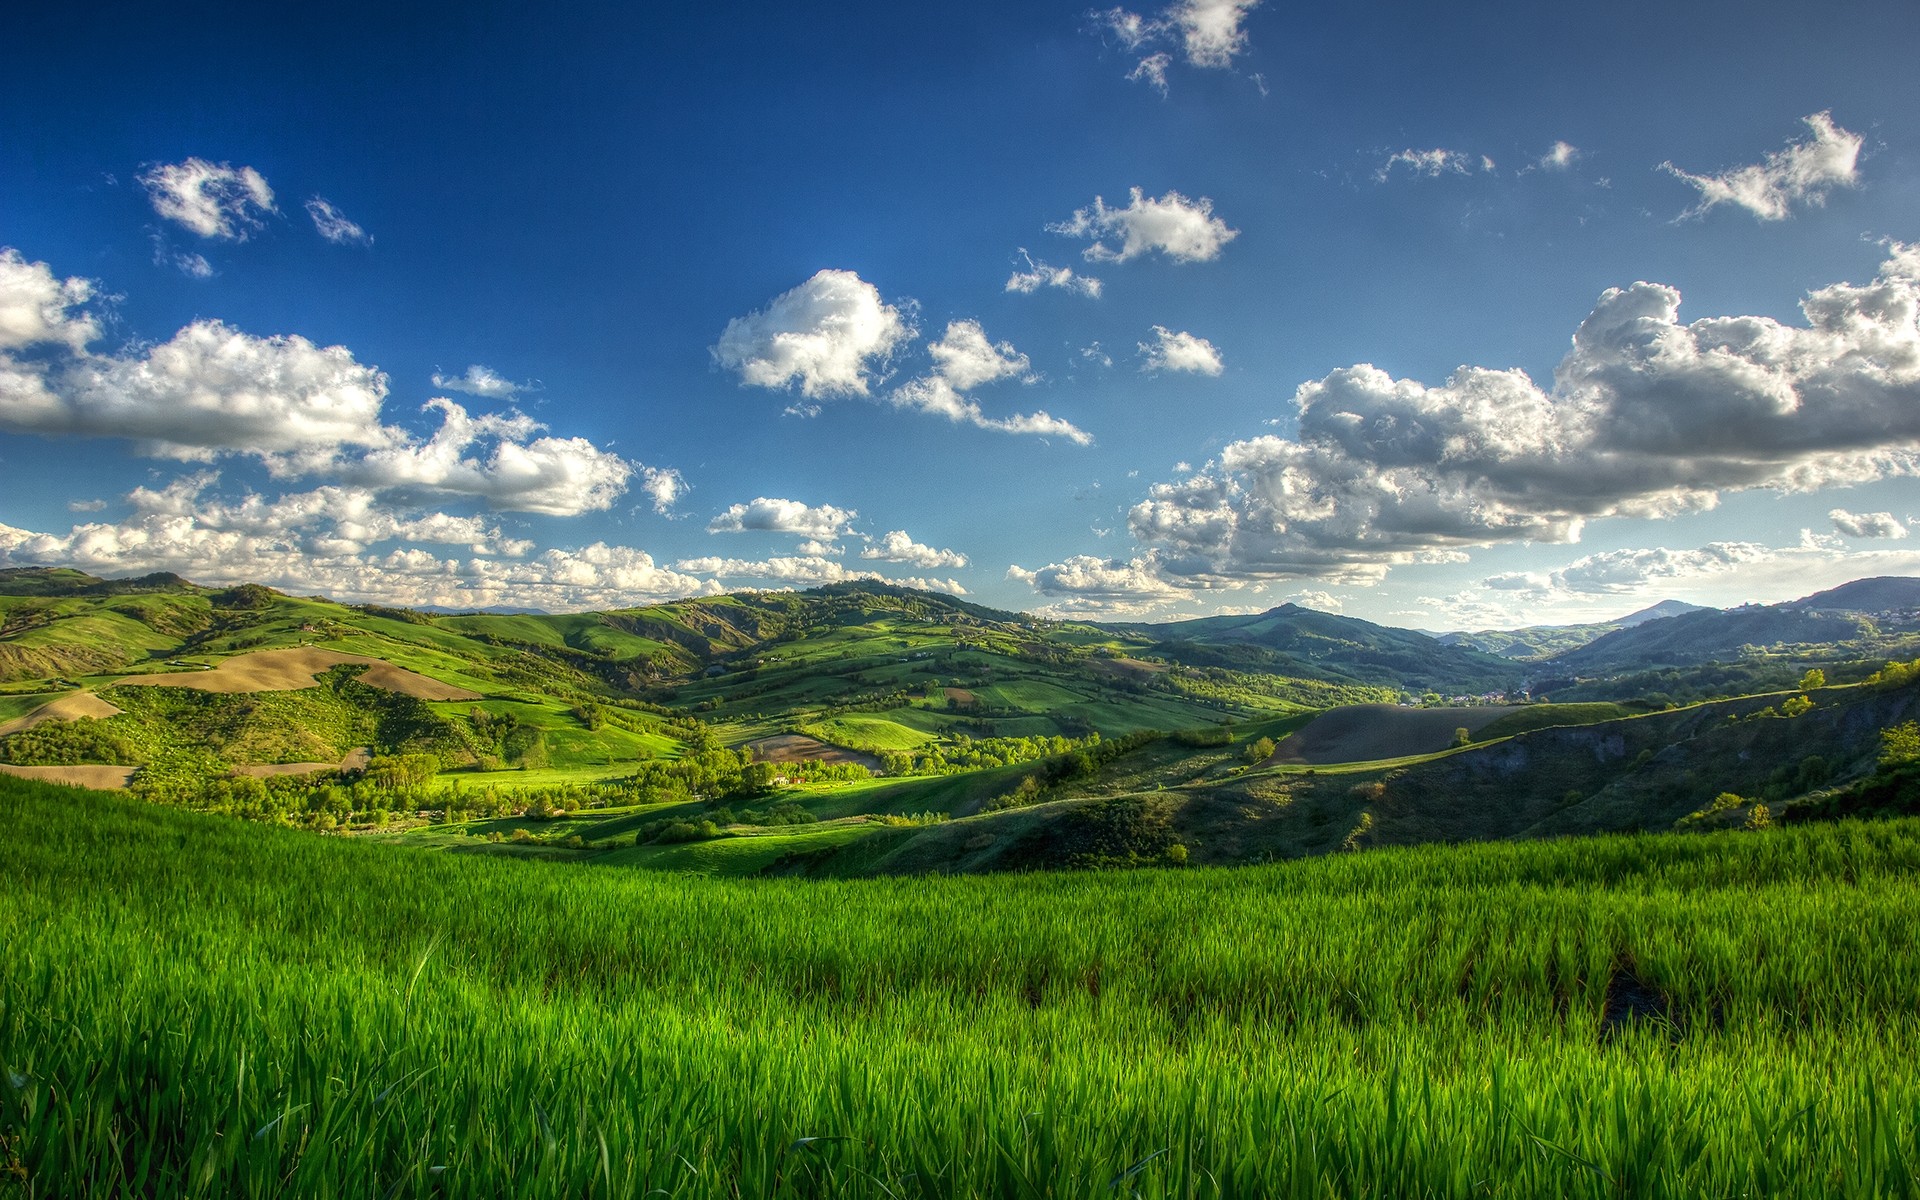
column 202, row 1008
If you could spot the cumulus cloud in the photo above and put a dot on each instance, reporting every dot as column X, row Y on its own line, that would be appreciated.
column 1181, row 229
column 825, row 337
column 664, row 486
column 39, row 308
column 1039, row 275
column 1088, row 586
column 212, row 391
column 325, row 541
column 818, row 549
column 784, row 516
column 210, row 388
column 1170, row 351
column 1432, row 164
column 477, row 380
column 214, row 200
column 1208, row 34
column 1325, row 602
column 963, row 359
column 896, row 546
column 497, row 458
column 86, row 506
column 1803, row 172
column 1646, row 416
column 803, row 572
column 1867, row 525
column 333, row 225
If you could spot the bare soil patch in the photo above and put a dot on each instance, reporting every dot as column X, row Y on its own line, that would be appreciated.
column 299, row 667
column 355, row 760
column 1365, row 732
column 961, row 696
column 798, row 747
column 104, row 778
column 70, row 707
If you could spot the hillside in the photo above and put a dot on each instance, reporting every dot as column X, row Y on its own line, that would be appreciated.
column 1305, row 642
column 1545, row 641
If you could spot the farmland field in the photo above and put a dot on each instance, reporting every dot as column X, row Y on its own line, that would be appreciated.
column 198, row 1007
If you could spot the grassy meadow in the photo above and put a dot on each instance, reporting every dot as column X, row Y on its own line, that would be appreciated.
column 198, row 1007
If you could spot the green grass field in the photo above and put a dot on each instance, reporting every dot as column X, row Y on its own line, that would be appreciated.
column 198, row 1007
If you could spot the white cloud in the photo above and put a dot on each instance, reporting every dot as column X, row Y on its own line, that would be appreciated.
column 1183, row 230
column 211, row 388
column 86, row 506
column 516, row 471
column 1325, row 602
column 896, row 546
column 1803, row 172
column 810, row 571
column 1432, row 163
column 1095, row 355
column 664, row 486
column 1152, row 71
column 36, row 306
column 1646, row 417
column 193, row 266
column 825, row 336
column 784, row 516
column 1211, row 31
column 1039, row 275
column 817, row 549
column 965, row 358
column 333, row 225
column 214, row 200
column 1867, row 525
column 1092, row 587
column 480, row 381
column 1171, row 351
column 1208, row 33
column 1559, row 158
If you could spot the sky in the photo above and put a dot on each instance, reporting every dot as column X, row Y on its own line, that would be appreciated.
column 1439, row 316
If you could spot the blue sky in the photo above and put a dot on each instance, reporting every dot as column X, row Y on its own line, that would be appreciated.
column 1117, row 312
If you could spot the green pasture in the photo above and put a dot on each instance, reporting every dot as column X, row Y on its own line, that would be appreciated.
column 196, row 1007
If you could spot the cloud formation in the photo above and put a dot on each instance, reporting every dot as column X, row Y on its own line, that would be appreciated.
column 1867, row 525
column 1432, row 164
column 1039, row 275
column 964, row 359
column 1803, row 172
column 825, row 337
column 1208, row 33
column 811, row 571
column 770, row 515
column 1647, row 416
column 896, row 546
column 208, row 389
column 1182, row 230
column 1560, row 158
column 1170, row 351
column 39, row 308
column 212, row 391
column 664, row 486
column 333, row 225
column 214, row 200
column 513, row 470
column 477, row 380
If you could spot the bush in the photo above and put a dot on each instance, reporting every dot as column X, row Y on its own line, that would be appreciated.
column 1259, row 750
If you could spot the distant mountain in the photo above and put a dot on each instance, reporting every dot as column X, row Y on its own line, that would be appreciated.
column 1666, row 608
column 1544, row 641
column 1303, row 642
column 1886, row 593
column 1852, row 620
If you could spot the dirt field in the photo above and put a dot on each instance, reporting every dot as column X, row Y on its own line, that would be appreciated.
column 961, row 697
column 293, row 669
column 70, row 707
column 91, row 777
column 795, row 747
column 354, row 760
column 1364, row 732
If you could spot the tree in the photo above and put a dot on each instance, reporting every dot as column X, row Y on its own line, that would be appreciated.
column 1814, row 678
column 1462, row 736
column 1260, row 750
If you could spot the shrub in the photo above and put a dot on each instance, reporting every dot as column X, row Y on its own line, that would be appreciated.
column 1259, row 750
